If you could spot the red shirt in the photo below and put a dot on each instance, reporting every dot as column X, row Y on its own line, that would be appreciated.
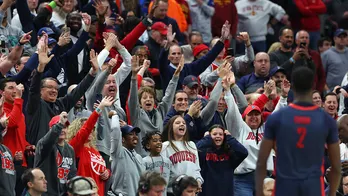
column 91, row 163
column 308, row 17
column 14, row 137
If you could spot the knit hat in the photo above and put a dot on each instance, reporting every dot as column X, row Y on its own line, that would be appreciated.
column 198, row 49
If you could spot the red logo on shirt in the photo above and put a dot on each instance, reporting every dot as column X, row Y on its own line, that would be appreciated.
column 7, row 162
column 182, row 156
column 64, row 164
column 251, row 136
column 214, row 157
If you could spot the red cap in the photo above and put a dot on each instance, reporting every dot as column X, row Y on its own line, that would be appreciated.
column 198, row 49
column 161, row 27
column 249, row 109
column 55, row 120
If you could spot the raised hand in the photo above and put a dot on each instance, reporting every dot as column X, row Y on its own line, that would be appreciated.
column 268, row 87
column 43, row 40
column 63, row 118
column 64, row 39
column 93, row 59
column 100, row 8
column 59, row 3
column 135, row 65
column 106, row 102
column 228, row 80
column 180, row 66
column 195, row 108
column 146, row 64
column 285, row 88
column 225, row 31
column 112, row 63
column 244, row 36
column 19, row 90
column 87, row 20
column 44, row 59
column 110, row 21
column 154, row 7
column 170, row 35
column 6, row 4
column 224, row 69
column 25, row 38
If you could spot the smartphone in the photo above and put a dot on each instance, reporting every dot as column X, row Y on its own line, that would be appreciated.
column 303, row 45
column 338, row 91
column 230, row 52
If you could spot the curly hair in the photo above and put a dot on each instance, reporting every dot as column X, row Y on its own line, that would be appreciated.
column 147, row 138
column 75, row 126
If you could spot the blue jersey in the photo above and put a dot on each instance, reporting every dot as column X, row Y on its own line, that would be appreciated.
column 301, row 132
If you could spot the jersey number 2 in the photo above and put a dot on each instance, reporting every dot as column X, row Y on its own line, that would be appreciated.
column 302, row 131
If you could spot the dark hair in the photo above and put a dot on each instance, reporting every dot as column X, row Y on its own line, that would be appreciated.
column 168, row 134
column 148, row 137
column 302, row 80
column 224, row 146
column 283, row 29
column 130, row 23
column 27, row 176
column 330, row 94
column 43, row 81
column 71, row 14
column 322, row 40
column 150, row 179
column 177, row 92
column 180, row 183
column 4, row 81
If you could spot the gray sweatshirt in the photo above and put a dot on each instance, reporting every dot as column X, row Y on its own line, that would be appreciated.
column 149, row 122
column 126, row 165
column 57, row 162
column 7, row 172
column 103, row 125
column 239, row 65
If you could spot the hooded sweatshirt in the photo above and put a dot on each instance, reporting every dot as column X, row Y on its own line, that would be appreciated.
column 126, row 165
column 218, row 165
column 7, row 172
column 153, row 120
column 249, row 138
column 56, row 162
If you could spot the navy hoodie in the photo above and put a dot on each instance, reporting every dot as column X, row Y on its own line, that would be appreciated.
column 217, row 166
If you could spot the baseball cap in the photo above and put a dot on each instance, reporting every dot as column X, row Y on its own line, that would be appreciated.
column 339, row 32
column 161, row 27
column 51, row 41
column 198, row 49
column 127, row 129
column 82, row 186
column 190, row 81
column 277, row 69
column 47, row 30
column 249, row 109
column 55, row 120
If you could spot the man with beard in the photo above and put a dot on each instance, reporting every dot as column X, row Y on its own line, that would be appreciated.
column 127, row 165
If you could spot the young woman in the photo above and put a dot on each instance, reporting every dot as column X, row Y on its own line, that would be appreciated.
column 82, row 138
column 316, row 99
column 182, row 153
column 219, row 155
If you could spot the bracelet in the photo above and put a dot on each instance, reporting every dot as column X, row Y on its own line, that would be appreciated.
column 20, row 44
column 292, row 60
column 98, row 110
column 248, row 45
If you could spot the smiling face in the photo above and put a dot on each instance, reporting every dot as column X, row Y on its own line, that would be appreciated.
column 191, row 92
column 147, row 101
column 179, row 128
column 74, row 22
column 253, row 119
column 330, row 105
column 222, row 103
column 110, row 88
column 316, row 99
column 287, row 38
column 68, row 6
column 9, row 92
column 155, row 144
column 217, row 135
column 130, row 140
column 181, row 102
column 49, row 90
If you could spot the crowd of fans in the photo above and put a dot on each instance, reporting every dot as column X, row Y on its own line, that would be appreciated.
column 170, row 97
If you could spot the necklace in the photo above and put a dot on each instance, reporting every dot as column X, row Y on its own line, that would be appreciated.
column 162, row 163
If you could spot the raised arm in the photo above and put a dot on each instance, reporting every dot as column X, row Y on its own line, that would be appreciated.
column 234, row 120
column 116, row 137
column 133, row 102
column 241, row 63
column 125, row 68
column 14, row 116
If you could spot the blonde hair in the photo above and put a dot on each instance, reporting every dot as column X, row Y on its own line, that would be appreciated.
column 275, row 46
column 75, row 126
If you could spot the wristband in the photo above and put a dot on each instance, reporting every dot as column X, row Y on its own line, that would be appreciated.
column 98, row 110
column 20, row 44
column 292, row 60
column 147, row 22
column 52, row 4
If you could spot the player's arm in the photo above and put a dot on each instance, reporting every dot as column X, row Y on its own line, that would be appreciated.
column 335, row 173
column 261, row 165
